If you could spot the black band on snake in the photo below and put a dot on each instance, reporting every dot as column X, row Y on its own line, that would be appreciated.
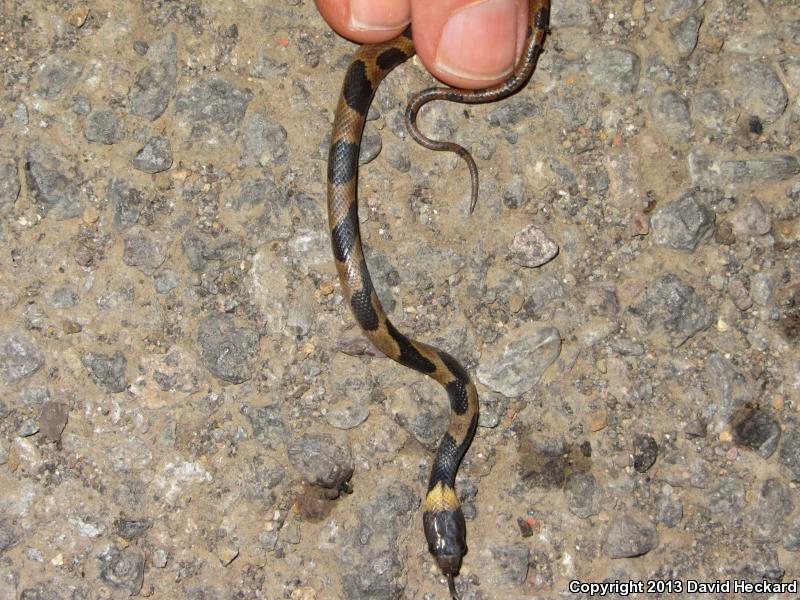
column 443, row 519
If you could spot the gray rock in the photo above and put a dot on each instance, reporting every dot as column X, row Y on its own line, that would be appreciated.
column 791, row 537
column 756, row 430
column 518, row 366
column 55, row 589
column 517, row 109
column 28, row 428
column 772, row 507
column 671, row 114
column 571, row 13
column 758, row 89
column 398, row 158
column 165, row 281
column 346, row 415
column 583, row 495
column 678, row 9
column 226, row 349
column 508, row 564
column 265, row 67
column 53, row 420
column 8, row 535
column 130, row 529
column 143, row 251
column 107, row 370
column 532, row 247
column 369, row 557
column 267, row 424
column 751, row 220
column 412, row 408
column 55, row 190
column 123, row 568
column 729, row 390
column 670, row 510
column 264, row 141
column 104, row 127
column 514, row 196
column 789, row 454
column 322, row 460
column 214, row 100
column 681, row 224
column 685, row 34
column 9, row 186
column 628, row 536
column 127, row 201
column 57, row 75
column 727, row 498
column 156, row 83
column 645, row 452
column 613, row 70
column 154, row 157
column 675, row 307
column 707, row 170
column 709, row 108
column 19, row 357
column 63, row 296
column 371, row 146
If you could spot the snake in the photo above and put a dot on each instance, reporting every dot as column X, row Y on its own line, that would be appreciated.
column 443, row 518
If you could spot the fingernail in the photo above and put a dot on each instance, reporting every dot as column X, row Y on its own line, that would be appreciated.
column 378, row 15
column 480, row 40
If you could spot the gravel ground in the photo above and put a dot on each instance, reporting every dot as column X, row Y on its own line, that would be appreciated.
column 185, row 394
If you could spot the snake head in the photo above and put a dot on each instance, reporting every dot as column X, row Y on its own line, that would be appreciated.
column 446, row 533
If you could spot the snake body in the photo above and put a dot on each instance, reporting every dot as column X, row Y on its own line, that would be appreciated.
column 443, row 519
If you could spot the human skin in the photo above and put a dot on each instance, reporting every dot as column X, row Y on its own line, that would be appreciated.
column 464, row 43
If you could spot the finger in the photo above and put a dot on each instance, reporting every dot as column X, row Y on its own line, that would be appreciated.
column 469, row 44
column 366, row 21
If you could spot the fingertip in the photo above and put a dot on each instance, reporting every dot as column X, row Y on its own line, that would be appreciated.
column 366, row 21
column 469, row 44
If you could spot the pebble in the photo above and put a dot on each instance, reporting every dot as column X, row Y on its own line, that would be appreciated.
column 645, row 452
column 322, row 460
column 214, row 100
column 628, row 536
column 346, row 415
column 509, row 564
column 107, row 370
column 517, row 366
column 791, row 536
column 127, row 200
column 758, row 89
column 583, row 495
column 676, row 307
column 155, row 83
column 772, row 507
column 728, row 388
column 670, row 510
column 267, row 423
column 130, row 529
column 227, row 552
column 154, row 157
column 789, row 454
column 165, row 280
column 671, row 113
column 709, row 108
column 57, row 76
column 682, row 223
column 123, row 568
column 143, row 250
column 685, row 34
column 9, row 186
column 227, row 349
column 56, row 190
column 532, row 247
column 739, row 294
column 19, row 357
column 53, row 420
column 751, row 220
column 706, row 169
column 264, row 141
column 613, row 70
column 104, row 127
column 598, row 420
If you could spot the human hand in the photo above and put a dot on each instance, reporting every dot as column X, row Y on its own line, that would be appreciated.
column 464, row 43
